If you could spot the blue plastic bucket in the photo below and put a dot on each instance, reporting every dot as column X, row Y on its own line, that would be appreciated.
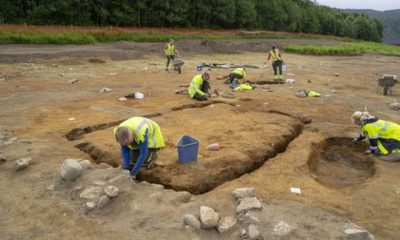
column 188, row 148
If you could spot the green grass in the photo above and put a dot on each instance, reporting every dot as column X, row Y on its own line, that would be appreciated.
column 10, row 36
column 353, row 48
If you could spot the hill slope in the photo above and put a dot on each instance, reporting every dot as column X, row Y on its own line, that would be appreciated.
column 390, row 20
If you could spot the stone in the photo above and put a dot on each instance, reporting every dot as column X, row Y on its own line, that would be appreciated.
column 90, row 205
column 111, row 191
column 208, row 217
column 354, row 232
column 103, row 201
column 23, row 163
column 192, row 221
column 91, row 193
column 86, row 164
column 71, row 170
column 119, row 179
column 243, row 193
column 181, row 197
column 104, row 166
column 73, row 81
column 50, row 187
column 395, row 106
column 337, row 74
column 99, row 183
column 225, row 224
column 10, row 141
column 158, row 186
column 282, row 229
column 253, row 232
column 105, row 90
column 251, row 219
column 248, row 204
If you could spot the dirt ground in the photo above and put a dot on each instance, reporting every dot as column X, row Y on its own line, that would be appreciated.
column 272, row 141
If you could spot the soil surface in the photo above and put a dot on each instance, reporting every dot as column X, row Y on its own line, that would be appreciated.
column 272, row 141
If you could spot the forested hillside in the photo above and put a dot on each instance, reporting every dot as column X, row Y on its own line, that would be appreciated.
column 278, row 15
column 390, row 21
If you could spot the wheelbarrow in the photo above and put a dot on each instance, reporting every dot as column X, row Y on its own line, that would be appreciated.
column 177, row 64
column 386, row 83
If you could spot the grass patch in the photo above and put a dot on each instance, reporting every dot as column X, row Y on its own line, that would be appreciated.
column 10, row 34
column 353, row 48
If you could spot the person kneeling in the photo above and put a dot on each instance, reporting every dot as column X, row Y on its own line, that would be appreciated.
column 140, row 140
column 199, row 88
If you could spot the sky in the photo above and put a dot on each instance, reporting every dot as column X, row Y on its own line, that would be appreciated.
column 380, row 5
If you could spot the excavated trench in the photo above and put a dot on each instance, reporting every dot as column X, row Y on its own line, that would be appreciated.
column 337, row 163
column 196, row 178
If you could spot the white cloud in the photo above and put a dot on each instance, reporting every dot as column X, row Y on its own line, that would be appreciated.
column 362, row 4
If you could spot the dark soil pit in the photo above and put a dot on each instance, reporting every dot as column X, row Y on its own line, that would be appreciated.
column 246, row 146
column 337, row 163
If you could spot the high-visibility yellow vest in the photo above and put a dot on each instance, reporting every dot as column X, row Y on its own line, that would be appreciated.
column 243, row 86
column 275, row 55
column 195, row 86
column 387, row 134
column 240, row 72
column 138, row 126
column 311, row 93
column 170, row 49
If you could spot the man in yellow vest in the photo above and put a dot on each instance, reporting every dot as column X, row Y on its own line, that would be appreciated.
column 383, row 136
column 199, row 88
column 239, row 75
column 140, row 140
column 170, row 53
column 277, row 62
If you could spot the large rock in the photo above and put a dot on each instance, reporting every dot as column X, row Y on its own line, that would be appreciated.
column 71, row 170
column 225, row 224
column 355, row 232
column 253, row 232
column 248, row 204
column 90, row 206
column 208, row 217
column 111, row 191
column 104, row 200
column 23, row 163
column 282, row 229
column 243, row 193
column 86, row 164
column 192, row 221
column 91, row 193
column 181, row 197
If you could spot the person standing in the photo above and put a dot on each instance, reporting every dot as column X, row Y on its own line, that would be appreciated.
column 170, row 53
column 277, row 63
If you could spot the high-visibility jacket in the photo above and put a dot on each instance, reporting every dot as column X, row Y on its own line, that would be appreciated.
column 243, row 86
column 138, row 126
column 311, row 93
column 382, row 135
column 170, row 49
column 275, row 55
column 241, row 72
column 195, row 86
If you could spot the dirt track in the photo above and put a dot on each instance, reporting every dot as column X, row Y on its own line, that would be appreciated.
column 37, row 101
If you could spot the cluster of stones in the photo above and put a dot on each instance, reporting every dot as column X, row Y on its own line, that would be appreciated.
column 208, row 218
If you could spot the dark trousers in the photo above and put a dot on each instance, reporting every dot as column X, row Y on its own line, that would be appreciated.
column 233, row 76
column 205, row 88
column 170, row 58
column 277, row 65
column 150, row 158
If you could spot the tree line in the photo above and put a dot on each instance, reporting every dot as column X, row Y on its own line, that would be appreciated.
column 276, row 15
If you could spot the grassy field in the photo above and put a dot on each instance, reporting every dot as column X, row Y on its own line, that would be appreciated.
column 350, row 48
column 10, row 34
column 25, row 34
